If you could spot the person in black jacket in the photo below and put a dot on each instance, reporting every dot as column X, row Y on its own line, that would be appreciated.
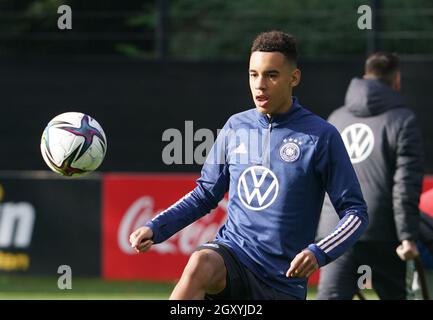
column 384, row 144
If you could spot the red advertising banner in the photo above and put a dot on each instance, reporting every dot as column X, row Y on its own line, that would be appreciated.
column 131, row 200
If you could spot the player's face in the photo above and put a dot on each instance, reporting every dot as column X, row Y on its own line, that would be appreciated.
column 272, row 78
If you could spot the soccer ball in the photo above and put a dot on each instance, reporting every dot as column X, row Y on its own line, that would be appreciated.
column 73, row 144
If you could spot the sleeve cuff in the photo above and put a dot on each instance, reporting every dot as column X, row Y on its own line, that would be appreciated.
column 152, row 226
column 319, row 254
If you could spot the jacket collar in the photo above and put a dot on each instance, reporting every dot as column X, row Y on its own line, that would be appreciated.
column 281, row 118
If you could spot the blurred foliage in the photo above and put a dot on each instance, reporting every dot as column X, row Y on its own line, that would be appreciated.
column 226, row 28
column 215, row 29
column 98, row 28
column 211, row 29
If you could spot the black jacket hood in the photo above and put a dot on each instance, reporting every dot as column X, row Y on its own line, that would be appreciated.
column 369, row 97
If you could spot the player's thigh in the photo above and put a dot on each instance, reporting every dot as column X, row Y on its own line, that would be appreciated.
column 236, row 280
column 207, row 267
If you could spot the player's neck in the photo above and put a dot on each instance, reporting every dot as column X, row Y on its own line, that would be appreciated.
column 285, row 108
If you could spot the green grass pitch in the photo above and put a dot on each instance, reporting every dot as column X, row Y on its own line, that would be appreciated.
column 45, row 288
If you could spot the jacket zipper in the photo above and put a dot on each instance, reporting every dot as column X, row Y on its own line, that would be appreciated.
column 266, row 150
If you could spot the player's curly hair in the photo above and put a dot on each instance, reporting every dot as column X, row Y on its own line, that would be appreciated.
column 276, row 41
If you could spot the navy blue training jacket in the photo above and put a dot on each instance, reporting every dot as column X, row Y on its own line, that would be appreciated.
column 276, row 171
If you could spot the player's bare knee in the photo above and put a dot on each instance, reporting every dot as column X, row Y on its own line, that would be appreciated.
column 203, row 261
column 204, row 266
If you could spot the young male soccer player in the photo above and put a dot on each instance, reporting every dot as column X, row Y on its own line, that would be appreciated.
column 265, row 249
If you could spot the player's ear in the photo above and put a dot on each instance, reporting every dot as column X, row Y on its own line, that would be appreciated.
column 295, row 77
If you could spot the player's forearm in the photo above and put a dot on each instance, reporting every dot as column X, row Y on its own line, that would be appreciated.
column 211, row 187
column 188, row 209
column 178, row 216
column 346, row 233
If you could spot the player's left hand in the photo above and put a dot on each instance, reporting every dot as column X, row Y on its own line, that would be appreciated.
column 303, row 265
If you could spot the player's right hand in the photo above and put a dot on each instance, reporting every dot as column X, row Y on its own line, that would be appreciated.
column 141, row 239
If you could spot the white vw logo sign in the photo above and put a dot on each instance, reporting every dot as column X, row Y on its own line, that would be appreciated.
column 359, row 141
column 257, row 188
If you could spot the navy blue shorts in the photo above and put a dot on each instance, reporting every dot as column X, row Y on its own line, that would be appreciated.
column 241, row 283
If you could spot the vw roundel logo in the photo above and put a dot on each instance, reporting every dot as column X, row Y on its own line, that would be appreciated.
column 257, row 188
column 358, row 139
